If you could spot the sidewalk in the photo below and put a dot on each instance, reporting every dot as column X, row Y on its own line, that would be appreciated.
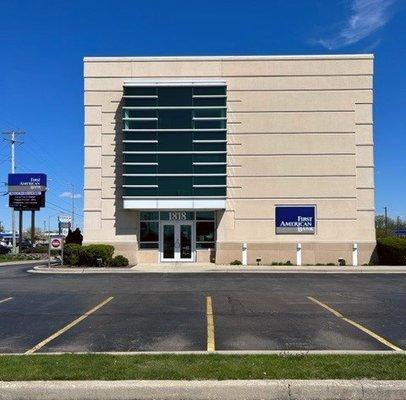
column 208, row 390
column 186, row 268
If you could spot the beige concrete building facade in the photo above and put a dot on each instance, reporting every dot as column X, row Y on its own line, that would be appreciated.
column 190, row 158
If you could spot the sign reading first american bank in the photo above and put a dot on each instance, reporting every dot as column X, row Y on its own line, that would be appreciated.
column 295, row 219
column 27, row 191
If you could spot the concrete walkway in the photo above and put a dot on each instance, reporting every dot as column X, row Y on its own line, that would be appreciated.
column 186, row 268
column 233, row 390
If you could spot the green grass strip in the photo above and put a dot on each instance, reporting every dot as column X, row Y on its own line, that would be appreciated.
column 190, row 367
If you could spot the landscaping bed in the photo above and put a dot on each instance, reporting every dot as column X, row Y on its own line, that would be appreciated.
column 92, row 255
column 20, row 257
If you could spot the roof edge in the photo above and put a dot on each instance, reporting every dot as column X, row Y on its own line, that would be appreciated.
column 233, row 58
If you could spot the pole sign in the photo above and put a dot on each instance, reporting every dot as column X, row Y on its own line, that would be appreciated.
column 295, row 220
column 27, row 191
column 64, row 224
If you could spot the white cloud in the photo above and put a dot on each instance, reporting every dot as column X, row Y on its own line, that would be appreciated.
column 69, row 195
column 366, row 17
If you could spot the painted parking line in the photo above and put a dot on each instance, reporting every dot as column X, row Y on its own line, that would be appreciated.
column 7, row 299
column 210, row 325
column 356, row 324
column 67, row 327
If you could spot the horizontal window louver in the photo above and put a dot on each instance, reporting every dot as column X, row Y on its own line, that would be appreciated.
column 174, row 141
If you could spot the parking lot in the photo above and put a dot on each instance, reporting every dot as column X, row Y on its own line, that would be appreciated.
column 200, row 312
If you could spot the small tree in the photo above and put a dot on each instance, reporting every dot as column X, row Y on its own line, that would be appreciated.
column 74, row 237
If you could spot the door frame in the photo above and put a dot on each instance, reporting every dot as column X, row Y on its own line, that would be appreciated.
column 177, row 225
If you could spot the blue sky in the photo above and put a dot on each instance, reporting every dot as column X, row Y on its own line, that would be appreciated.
column 42, row 44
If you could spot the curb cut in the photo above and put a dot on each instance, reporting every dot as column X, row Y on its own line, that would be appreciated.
column 208, row 390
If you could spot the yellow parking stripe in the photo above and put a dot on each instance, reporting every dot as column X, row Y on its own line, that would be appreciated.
column 210, row 325
column 67, row 327
column 356, row 324
column 7, row 299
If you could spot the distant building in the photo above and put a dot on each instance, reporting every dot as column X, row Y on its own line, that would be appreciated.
column 190, row 158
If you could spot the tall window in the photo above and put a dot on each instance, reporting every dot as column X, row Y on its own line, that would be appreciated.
column 174, row 141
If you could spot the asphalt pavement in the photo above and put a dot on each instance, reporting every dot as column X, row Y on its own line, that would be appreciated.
column 170, row 312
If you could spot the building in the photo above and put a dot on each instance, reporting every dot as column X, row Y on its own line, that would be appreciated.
column 190, row 158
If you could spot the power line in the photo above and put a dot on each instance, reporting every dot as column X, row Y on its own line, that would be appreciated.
column 49, row 192
column 64, row 209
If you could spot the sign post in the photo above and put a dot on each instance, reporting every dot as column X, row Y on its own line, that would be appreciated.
column 55, row 243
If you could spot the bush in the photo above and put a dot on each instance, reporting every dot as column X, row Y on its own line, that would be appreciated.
column 236, row 262
column 77, row 255
column 89, row 254
column 35, row 250
column 4, row 250
column 119, row 261
column 71, row 254
column 288, row 262
column 74, row 237
column 392, row 251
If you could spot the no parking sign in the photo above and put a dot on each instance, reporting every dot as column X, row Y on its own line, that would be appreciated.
column 56, row 243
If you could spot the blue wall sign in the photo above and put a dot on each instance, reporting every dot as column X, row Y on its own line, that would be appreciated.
column 295, row 219
column 27, row 180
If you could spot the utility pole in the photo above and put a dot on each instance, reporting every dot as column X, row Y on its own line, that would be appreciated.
column 386, row 220
column 73, row 205
column 11, row 137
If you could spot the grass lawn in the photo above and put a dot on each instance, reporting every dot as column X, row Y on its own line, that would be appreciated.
column 18, row 257
column 189, row 367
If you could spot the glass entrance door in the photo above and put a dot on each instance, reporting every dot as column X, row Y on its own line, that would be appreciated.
column 177, row 241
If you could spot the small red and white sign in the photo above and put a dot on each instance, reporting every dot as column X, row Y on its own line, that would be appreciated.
column 56, row 243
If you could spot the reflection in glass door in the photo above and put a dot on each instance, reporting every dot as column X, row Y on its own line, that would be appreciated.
column 185, row 242
column 177, row 241
column 168, row 242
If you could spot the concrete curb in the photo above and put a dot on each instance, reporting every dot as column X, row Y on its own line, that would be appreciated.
column 223, row 270
column 208, row 390
column 282, row 353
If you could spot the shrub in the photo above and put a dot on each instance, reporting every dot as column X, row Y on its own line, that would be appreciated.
column 119, row 261
column 89, row 254
column 4, row 250
column 74, row 237
column 35, row 250
column 330, row 264
column 288, row 263
column 71, row 254
column 274, row 263
column 392, row 251
column 236, row 262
